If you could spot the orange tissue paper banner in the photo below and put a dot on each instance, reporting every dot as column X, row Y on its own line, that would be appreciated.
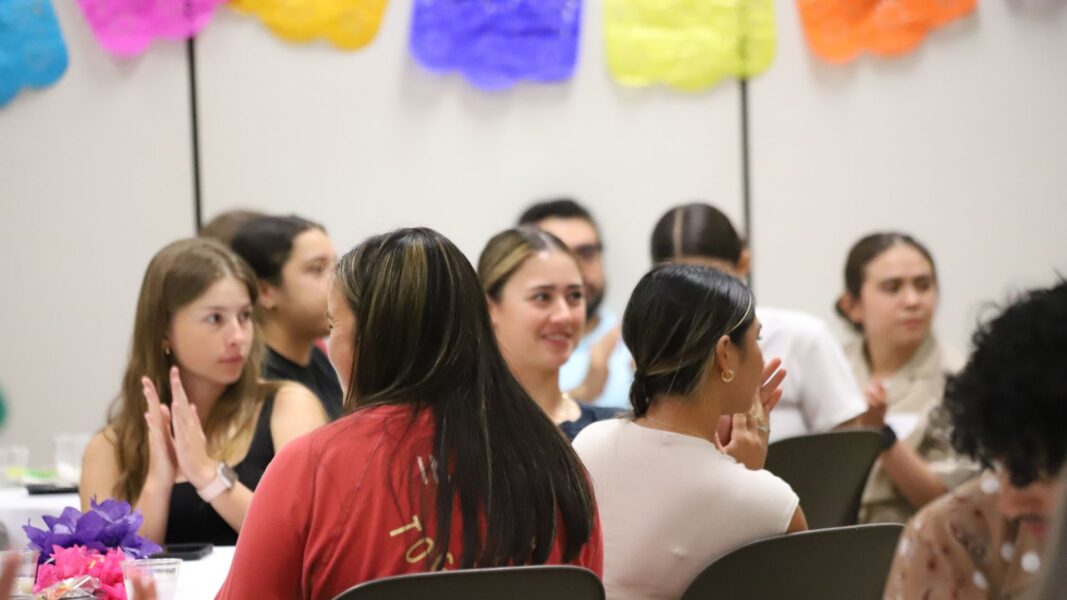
column 687, row 44
column 839, row 30
column 347, row 24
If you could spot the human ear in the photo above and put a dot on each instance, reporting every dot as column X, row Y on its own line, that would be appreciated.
column 723, row 353
column 743, row 263
column 851, row 308
column 494, row 310
column 268, row 295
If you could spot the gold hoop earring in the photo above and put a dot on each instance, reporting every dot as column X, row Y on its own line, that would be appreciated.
column 727, row 376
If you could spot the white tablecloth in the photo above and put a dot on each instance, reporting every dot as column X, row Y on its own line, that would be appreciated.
column 197, row 580
column 17, row 507
column 201, row 579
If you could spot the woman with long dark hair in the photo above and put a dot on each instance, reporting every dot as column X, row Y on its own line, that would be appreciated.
column 443, row 460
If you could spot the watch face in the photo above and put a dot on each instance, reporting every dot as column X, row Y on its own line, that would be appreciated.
column 227, row 474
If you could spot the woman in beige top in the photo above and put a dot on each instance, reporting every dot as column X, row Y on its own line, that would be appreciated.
column 674, row 494
column 890, row 298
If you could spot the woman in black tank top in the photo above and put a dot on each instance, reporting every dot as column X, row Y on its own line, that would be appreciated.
column 194, row 427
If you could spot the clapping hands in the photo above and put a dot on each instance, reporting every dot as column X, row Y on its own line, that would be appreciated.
column 176, row 440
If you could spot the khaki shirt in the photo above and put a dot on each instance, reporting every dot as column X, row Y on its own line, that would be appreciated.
column 918, row 389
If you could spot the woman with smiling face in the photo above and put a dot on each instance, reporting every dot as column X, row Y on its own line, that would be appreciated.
column 537, row 306
column 194, row 427
column 890, row 298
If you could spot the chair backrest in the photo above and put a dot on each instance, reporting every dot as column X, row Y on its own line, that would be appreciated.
column 505, row 583
column 845, row 563
column 828, row 471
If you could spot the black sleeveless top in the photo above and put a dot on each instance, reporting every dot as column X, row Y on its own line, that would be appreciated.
column 191, row 520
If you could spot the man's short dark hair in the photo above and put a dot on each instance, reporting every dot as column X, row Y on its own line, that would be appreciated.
column 558, row 208
column 1009, row 404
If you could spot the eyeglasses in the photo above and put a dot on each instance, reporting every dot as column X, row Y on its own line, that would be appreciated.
column 588, row 252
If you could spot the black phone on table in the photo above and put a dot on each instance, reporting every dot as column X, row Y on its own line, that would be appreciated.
column 35, row 489
column 185, row 551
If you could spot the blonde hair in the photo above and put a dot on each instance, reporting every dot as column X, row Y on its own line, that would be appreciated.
column 508, row 250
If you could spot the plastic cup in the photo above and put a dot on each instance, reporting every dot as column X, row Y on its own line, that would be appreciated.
column 13, row 463
column 164, row 571
column 69, row 449
column 25, row 574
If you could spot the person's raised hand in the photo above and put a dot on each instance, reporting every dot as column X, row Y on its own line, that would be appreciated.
column 770, row 392
column 190, row 443
column 162, row 465
column 874, row 393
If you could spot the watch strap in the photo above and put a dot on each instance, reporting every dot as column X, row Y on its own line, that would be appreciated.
column 223, row 482
column 889, row 437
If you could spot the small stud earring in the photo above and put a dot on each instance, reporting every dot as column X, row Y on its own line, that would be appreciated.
column 727, row 376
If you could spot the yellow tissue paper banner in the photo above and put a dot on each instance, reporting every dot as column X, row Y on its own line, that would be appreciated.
column 688, row 44
column 347, row 24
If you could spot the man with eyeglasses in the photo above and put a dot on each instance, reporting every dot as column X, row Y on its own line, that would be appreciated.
column 600, row 370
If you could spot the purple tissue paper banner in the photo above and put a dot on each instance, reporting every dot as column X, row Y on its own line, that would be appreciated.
column 498, row 43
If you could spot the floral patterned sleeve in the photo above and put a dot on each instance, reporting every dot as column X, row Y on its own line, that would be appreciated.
column 960, row 547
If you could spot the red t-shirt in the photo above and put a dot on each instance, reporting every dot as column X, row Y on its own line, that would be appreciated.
column 336, row 508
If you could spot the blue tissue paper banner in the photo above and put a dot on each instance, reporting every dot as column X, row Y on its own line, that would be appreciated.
column 32, row 52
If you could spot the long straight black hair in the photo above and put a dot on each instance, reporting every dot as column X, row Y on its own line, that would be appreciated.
column 423, row 336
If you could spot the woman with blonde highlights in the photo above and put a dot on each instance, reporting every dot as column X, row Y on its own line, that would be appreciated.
column 442, row 461
column 537, row 306
column 194, row 427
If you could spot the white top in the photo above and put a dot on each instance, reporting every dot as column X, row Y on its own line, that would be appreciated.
column 671, row 503
column 616, row 392
column 820, row 391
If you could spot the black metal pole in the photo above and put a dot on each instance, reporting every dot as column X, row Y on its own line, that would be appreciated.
column 746, row 181
column 190, row 53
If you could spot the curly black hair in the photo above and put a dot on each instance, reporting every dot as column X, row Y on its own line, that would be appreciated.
column 1009, row 404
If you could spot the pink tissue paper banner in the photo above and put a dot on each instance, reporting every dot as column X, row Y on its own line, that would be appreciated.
column 128, row 27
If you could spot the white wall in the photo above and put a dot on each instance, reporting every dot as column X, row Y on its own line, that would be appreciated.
column 95, row 176
column 961, row 143
column 369, row 141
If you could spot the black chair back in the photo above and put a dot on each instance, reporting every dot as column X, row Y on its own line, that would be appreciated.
column 506, row 583
column 828, row 471
column 846, row 563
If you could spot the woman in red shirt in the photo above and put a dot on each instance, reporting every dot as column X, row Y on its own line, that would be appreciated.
column 443, row 460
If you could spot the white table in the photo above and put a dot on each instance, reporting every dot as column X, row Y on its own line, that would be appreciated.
column 201, row 579
column 197, row 579
column 17, row 507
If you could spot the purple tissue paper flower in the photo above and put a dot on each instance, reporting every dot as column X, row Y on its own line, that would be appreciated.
column 110, row 524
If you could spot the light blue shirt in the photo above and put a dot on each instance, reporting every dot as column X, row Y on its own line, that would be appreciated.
column 620, row 366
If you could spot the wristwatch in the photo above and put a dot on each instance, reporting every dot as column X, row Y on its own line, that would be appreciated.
column 889, row 437
column 225, row 479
